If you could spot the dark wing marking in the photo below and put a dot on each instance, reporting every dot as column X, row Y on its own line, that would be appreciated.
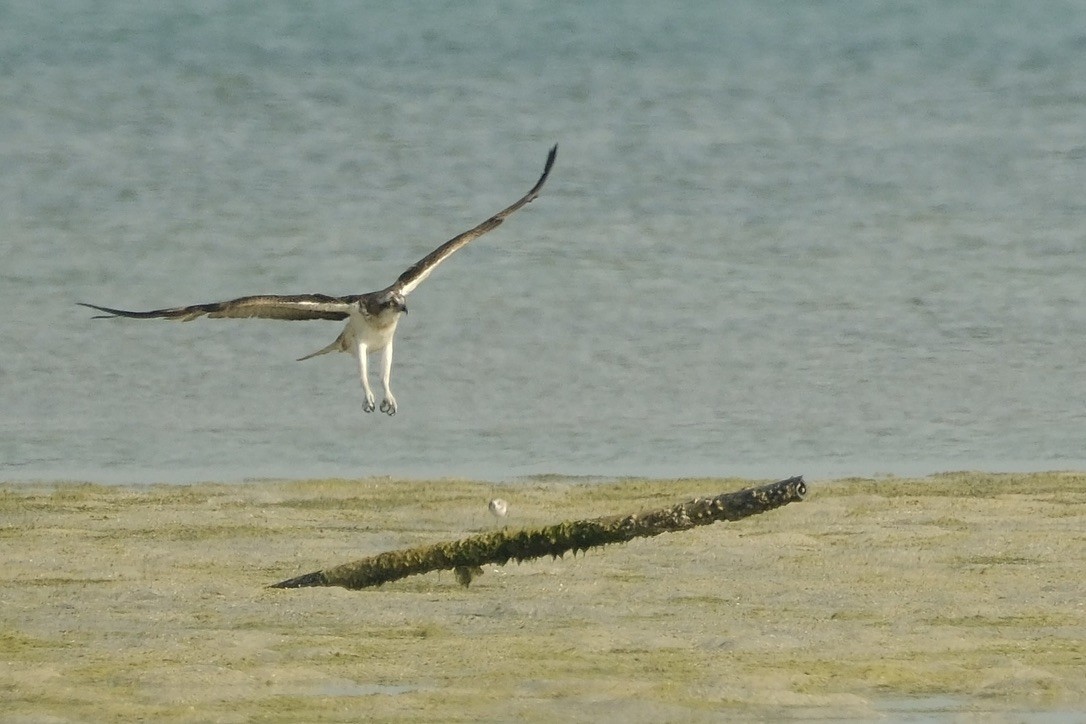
column 418, row 273
column 299, row 306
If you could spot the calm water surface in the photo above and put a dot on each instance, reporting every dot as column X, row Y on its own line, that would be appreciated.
column 779, row 238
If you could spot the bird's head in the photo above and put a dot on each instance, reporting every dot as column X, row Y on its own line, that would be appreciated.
column 388, row 305
column 396, row 302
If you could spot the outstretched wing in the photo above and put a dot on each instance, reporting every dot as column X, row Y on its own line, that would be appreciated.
column 299, row 306
column 418, row 273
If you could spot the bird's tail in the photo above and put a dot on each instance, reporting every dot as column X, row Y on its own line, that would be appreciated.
column 340, row 345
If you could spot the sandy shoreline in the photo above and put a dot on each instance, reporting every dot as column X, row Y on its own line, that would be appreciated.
column 954, row 593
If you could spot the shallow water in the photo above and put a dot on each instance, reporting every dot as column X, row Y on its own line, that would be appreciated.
column 777, row 239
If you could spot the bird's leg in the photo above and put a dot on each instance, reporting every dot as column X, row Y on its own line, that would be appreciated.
column 389, row 403
column 363, row 372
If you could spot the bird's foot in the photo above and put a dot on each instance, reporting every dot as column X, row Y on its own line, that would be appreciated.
column 388, row 405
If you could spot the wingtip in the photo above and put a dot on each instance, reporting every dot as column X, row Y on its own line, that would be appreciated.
column 96, row 307
column 551, row 155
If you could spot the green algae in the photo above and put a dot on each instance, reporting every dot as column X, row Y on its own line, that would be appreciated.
column 863, row 595
column 465, row 556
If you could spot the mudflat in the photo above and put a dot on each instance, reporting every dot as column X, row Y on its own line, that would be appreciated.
column 956, row 593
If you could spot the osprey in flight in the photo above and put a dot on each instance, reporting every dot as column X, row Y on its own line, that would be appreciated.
column 371, row 317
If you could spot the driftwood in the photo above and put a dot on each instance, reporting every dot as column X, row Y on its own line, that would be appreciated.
column 465, row 556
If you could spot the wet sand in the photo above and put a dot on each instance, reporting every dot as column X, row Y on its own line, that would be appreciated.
column 959, row 593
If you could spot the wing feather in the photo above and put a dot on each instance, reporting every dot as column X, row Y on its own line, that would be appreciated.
column 418, row 273
column 266, row 306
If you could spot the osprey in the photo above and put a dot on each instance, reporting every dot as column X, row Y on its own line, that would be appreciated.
column 371, row 317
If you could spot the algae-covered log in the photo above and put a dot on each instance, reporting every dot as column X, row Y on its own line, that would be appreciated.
column 466, row 555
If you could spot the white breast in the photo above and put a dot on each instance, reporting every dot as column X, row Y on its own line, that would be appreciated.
column 374, row 332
